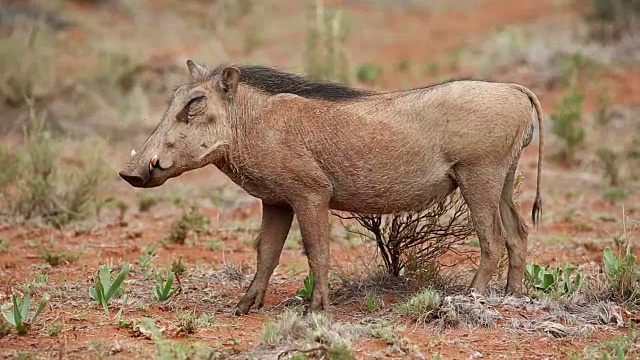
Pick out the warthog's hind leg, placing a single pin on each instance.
(516, 235)
(276, 223)
(313, 217)
(481, 188)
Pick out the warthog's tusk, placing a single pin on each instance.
(153, 163)
(133, 153)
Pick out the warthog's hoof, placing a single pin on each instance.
(244, 305)
(239, 312)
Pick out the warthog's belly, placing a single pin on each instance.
(384, 196)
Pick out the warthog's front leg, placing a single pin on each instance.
(313, 218)
(276, 223)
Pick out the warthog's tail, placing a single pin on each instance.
(536, 211)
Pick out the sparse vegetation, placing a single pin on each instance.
(166, 349)
(315, 333)
(35, 186)
(618, 348)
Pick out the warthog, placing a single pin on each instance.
(304, 147)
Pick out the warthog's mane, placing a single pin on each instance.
(273, 81)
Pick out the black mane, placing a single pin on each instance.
(273, 81)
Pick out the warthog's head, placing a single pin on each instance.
(194, 130)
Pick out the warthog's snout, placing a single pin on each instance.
(135, 177)
(138, 174)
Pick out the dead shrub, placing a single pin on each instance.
(419, 237)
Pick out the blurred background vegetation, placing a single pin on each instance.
(91, 76)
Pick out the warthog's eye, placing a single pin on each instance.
(193, 105)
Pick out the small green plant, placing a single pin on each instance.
(190, 221)
(215, 245)
(3, 246)
(122, 207)
(54, 330)
(622, 273)
(147, 255)
(572, 67)
(614, 195)
(403, 65)
(606, 218)
(566, 124)
(604, 113)
(146, 202)
(17, 313)
(187, 321)
(422, 306)
(57, 259)
(617, 348)
(369, 73)
(294, 270)
(610, 163)
(166, 350)
(276, 330)
(371, 304)
(431, 68)
(307, 291)
(552, 280)
(178, 267)
(163, 289)
(103, 289)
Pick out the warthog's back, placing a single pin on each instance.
(396, 151)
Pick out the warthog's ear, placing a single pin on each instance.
(195, 69)
(229, 78)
